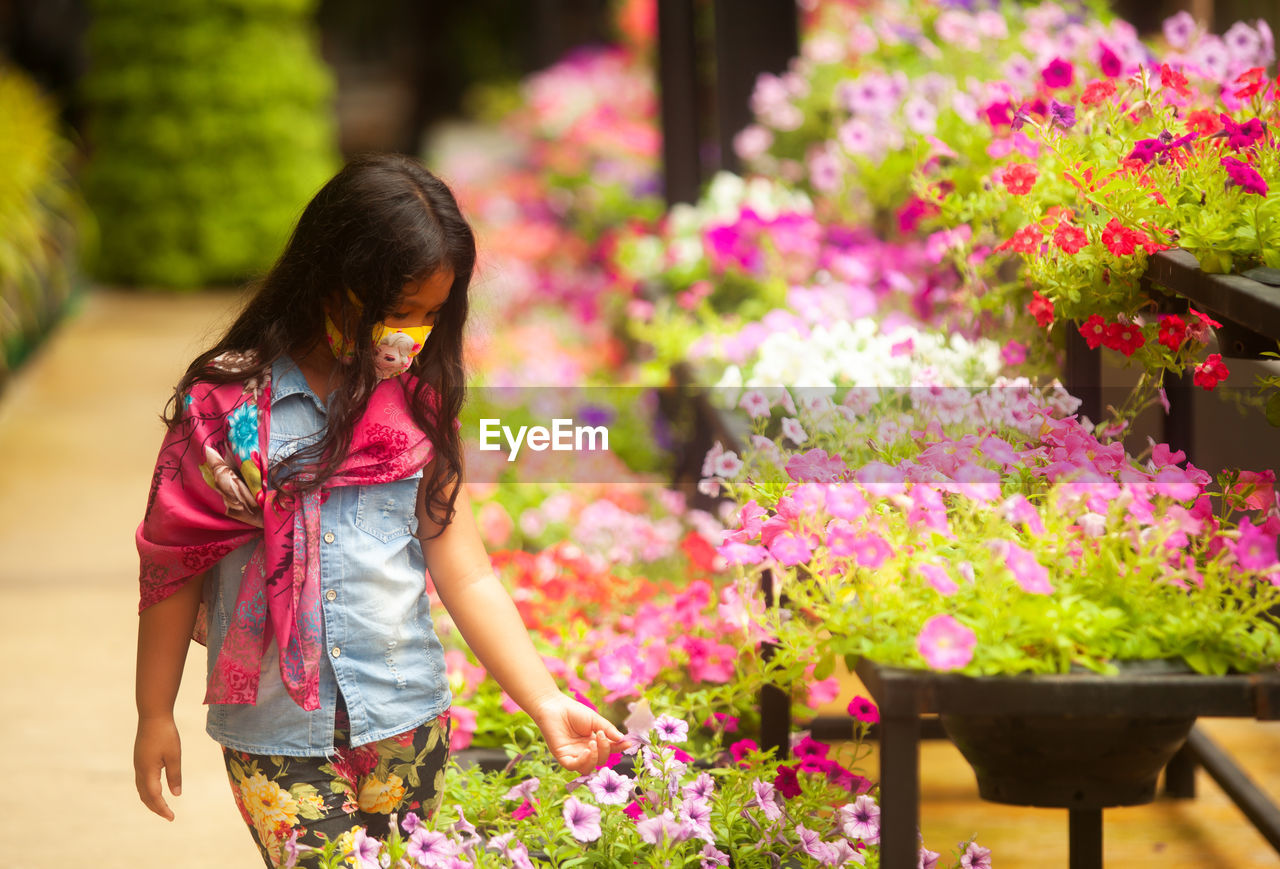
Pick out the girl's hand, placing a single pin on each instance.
(157, 747)
(580, 739)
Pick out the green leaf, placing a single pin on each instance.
(1273, 410)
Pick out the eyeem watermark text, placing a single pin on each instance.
(562, 436)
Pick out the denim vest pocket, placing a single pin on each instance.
(387, 510)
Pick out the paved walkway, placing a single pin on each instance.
(78, 436)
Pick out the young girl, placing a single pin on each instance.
(310, 480)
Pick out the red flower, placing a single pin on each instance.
(1203, 121)
(1211, 372)
(1198, 329)
(1071, 239)
(864, 710)
(1251, 81)
(1174, 79)
(1094, 331)
(1173, 331)
(1040, 308)
(1025, 240)
(1096, 91)
(787, 782)
(1117, 239)
(1125, 337)
(1019, 178)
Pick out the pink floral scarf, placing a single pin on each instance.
(211, 493)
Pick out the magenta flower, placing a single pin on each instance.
(842, 538)
(1244, 176)
(787, 782)
(1108, 61)
(864, 710)
(861, 820)
(1058, 74)
(582, 820)
(881, 479)
(808, 747)
(945, 644)
(741, 553)
(816, 466)
(742, 748)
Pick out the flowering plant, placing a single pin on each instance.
(989, 532)
(648, 808)
(1115, 169)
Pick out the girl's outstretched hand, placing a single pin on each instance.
(580, 738)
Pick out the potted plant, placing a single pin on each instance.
(989, 533)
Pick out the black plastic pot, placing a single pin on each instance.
(1069, 762)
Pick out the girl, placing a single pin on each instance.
(310, 478)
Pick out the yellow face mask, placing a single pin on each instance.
(395, 349)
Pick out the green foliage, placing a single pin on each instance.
(40, 217)
(210, 130)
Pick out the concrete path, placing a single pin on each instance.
(78, 438)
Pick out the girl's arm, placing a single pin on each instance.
(480, 606)
(164, 633)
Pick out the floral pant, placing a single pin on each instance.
(324, 798)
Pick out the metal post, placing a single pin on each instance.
(678, 83)
(747, 44)
(1084, 836)
(899, 783)
(775, 703)
(1083, 375)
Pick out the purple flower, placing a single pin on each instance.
(292, 850)
(1240, 136)
(1179, 29)
(364, 850)
(861, 820)
(928, 859)
(1245, 176)
(523, 791)
(1058, 74)
(582, 820)
(411, 822)
(1243, 42)
(609, 788)
(695, 814)
(765, 800)
(810, 842)
(671, 729)
(1062, 114)
(662, 828)
(712, 857)
(428, 847)
(976, 857)
(701, 789)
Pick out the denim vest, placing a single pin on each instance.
(381, 653)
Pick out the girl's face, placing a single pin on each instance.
(421, 302)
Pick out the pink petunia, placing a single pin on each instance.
(582, 820)
(945, 644)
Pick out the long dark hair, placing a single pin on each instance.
(382, 222)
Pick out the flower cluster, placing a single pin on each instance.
(983, 530)
(651, 805)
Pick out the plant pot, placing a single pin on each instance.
(488, 759)
(1072, 762)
